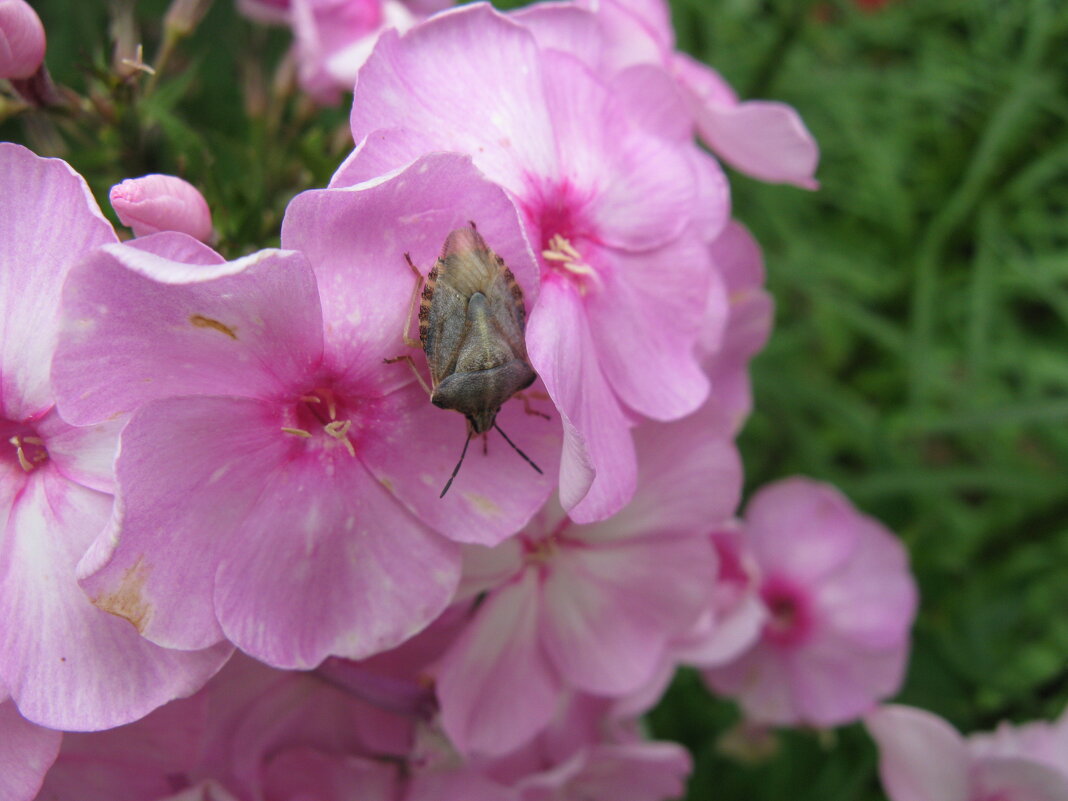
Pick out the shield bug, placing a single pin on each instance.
(471, 324)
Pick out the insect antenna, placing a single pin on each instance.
(456, 469)
(516, 449)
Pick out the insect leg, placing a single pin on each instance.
(411, 363)
(412, 343)
(527, 408)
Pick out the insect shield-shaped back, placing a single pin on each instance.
(471, 324)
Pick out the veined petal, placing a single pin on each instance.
(495, 686)
(48, 221)
(68, 664)
(26, 753)
(598, 469)
(139, 326)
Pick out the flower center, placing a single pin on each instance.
(790, 621)
(540, 548)
(562, 254)
(24, 448)
(321, 415)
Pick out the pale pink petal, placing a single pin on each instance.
(921, 757)
(154, 203)
(48, 221)
(379, 153)
(801, 528)
(760, 681)
(305, 773)
(608, 617)
(490, 106)
(496, 490)
(485, 568)
(26, 753)
(495, 686)
(713, 205)
(356, 239)
(719, 639)
(644, 323)
(139, 326)
(689, 481)
(156, 562)
(328, 544)
(834, 682)
(1019, 780)
(647, 96)
(22, 40)
(68, 664)
(462, 784)
(83, 454)
(598, 468)
(636, 32)
(762, 138)
(563, 27)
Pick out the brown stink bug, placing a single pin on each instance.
(471, 324)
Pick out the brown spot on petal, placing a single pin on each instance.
(200, 321)
(127, 601)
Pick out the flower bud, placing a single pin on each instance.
(155, 203)
(22, 40)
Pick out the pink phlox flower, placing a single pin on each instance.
(274, 466)
(615, 199)
(923, 758)
(840, 603)
(591, 607)
(67, 664)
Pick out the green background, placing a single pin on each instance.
(920, 353)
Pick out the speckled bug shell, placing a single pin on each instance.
(471, 324)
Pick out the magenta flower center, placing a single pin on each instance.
(790, 612)
(22, 448)
(324, 417)
(557, 212)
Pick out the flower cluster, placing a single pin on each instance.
(203, 457)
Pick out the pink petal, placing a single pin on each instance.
(378, 153)
(563, 27)
(496, 491)
(139, 326)
(83, 454)
(326, 563)
(764, 139)
(801, 528)
(1020, 779)
(761, 683)
(491, 106)
(154, 203)
(22, 40)
(649, 97)
(644, 324)
(633, 772)
(689, 480)
(26, 753)
(190, 470)
(598, 468)
(68, 664)
(48, 221)
(495, 686)
(356, 239)
(608, 617)
(461, 784)
(921, 757)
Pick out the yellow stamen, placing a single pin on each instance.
(339, 430)
(297, 432)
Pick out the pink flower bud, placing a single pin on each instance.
(22, 40)
(155, 203)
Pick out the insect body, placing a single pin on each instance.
(471, 324)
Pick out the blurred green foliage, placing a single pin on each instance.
(920, 357)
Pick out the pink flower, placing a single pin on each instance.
(593, 607)
(840, 602)
(67, 664)
(276, 478)
(923, 758)
(26, 753)
(22, 40)
(614, 197)
(154, 203)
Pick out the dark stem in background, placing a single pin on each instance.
(789, 31)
